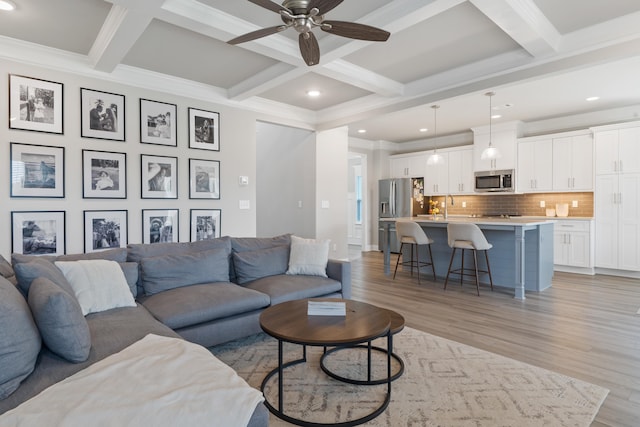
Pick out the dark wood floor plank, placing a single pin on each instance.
(586, 327)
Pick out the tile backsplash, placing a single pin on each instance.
(519, 204)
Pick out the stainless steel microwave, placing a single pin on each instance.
(495, 181)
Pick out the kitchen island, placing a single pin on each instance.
(521, 257)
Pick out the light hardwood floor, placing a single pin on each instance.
(586, 327)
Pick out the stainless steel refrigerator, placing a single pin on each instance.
(395, 200)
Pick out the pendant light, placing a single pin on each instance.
(491, 152)
(435, 158)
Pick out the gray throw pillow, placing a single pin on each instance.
(58, 315)
(27, 272)
(6, 271)
(252, 265)
(130, 270)
(162, 273)
(19, 339)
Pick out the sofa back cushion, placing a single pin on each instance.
(6, 271)
(161, 273)
(27, 272)
(139, 251)
(245, 244)
(59, 318)
(116, 254)
(19, 339)
(252, 265)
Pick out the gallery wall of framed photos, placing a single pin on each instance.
(95, 164)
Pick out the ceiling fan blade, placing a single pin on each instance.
(324, 6)
(257, 34)
(354, 30)
(309, 48)
(268, 4)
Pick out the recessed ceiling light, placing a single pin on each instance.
(7, 5)
(496, 116)
(362, 131)
(424, 130)
(313, 93)
(593, 98)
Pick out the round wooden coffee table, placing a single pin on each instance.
(397, 325)
(289, 322)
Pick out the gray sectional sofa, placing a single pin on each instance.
(207, 292)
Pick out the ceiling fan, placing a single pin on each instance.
(304, 16)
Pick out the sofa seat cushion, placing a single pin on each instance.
(191, 305)
(286, 287)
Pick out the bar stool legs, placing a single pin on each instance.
(415, 261)
(468, 271)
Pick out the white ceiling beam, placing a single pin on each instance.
(267, 79)
(523, 21)
(124, 25)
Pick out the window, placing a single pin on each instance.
(358, 199)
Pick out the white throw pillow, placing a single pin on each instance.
(308, 257)
(98, 285)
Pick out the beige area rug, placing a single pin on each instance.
(445, 383)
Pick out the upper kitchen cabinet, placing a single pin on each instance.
(408, 165)
(617, 150)
(436, 178)
(573, 162)
(534, 172)
(461, 179)
(503, 137)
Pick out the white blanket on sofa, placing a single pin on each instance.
(157, 381)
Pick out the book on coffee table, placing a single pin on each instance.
(326, 308)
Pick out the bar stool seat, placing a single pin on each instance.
(467, 236)
(410, 233)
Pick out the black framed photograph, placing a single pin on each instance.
(205, 224)
(38, 233)
(158, 123)
(102, 115)
(159, 177)
(37, 170)
(35, 104)
(159, 225)
(104, 175)
(105, 230)
(204, 129)
(204, 179)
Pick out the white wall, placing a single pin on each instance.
(285, 181)
(237, 156)
(331, 185)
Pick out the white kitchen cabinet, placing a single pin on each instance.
(504, 141)
(436, 177)
(617, 197)
(573, 163)
(408, 166)
(461, 178)
(534, 172)
(618, 151)
(617, 212)
(572, 243)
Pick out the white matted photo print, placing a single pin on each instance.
(204, 179)
(104, 175)
(38, 233)
(102, 115)
(105, 230)
(205, 224)
(159, 177)
(159, 225)
(37, 170)
(35, 104)
(204, 129)
(158, 123)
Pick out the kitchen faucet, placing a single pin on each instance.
(446, 213)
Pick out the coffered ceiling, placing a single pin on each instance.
(541, 57)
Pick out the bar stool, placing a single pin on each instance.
(468, 236)
(410, 232)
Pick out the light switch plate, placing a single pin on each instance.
(243, 180)
(244, 204)
(325, 204)
(574, 204)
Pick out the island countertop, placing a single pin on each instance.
(522, 253)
